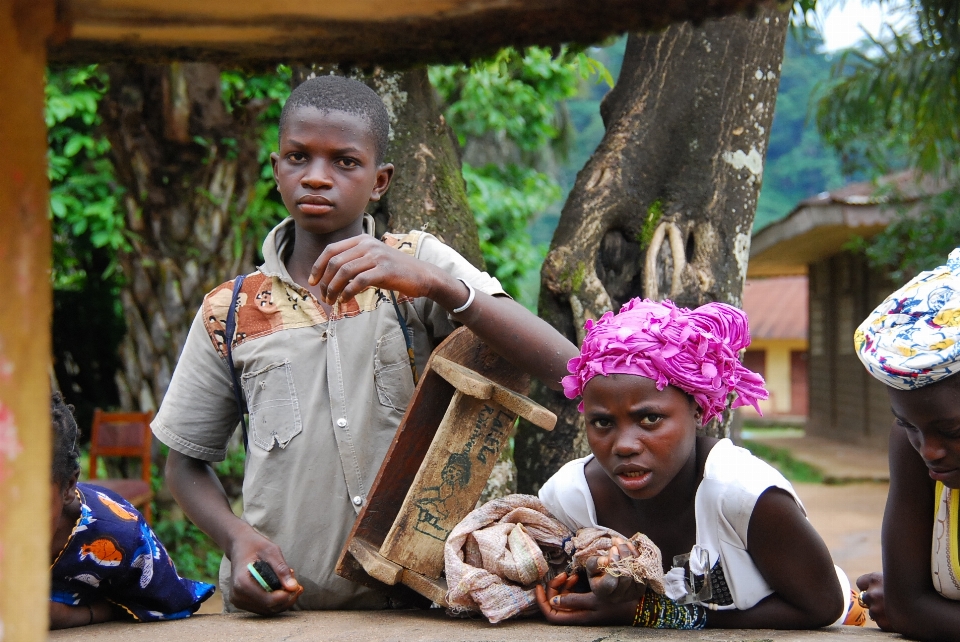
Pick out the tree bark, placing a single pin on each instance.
(665, 206)
(427, 192)
(189, 168)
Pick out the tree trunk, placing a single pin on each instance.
(189, 168)
(664, 208)
(427, 191)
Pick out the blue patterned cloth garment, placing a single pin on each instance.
(912, 339)
(113, 555)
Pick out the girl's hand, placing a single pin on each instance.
(561, 606)
(872, 586)
(612, 589)
(245, 592)
(346, 268)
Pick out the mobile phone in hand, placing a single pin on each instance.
(265, 576)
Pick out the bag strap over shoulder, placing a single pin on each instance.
(407, 338)
(408, 245)
(230, 331)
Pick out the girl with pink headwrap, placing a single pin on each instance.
(743, 552)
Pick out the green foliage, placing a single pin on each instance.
(899, 99)
(781, 459)
(503, 200)
(898, 103)
(798, 163)
(266, 94)
(231, 468)
(84, 195)
(654, 214)
(917, 240)
(586, 132)
(578, 276)
(513, 94)
(88, 228)
(510, 102)
(195, 555)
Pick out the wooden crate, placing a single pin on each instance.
(457, 423)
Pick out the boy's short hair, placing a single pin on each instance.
(66, 451)
(337, 93)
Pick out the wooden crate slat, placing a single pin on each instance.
(438, 405)
(448, 484)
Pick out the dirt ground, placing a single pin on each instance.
(848, 517)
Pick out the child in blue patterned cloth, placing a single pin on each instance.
(106, 562)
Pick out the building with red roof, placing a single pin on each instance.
(811, 246)
(777, 308)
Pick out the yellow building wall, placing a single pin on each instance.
(777, 375)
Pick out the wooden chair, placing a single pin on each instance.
(124, 434)
(457, 423)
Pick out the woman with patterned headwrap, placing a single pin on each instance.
(911, 343)
(744, 553)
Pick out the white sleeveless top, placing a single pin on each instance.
(944, 559)
(733, 480)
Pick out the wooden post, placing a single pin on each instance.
(24, 322)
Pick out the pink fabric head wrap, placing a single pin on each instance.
(695, 351)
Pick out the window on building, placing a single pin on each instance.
(756, 360)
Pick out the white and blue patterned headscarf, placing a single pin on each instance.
(912, 339)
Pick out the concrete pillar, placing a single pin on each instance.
(24, 322)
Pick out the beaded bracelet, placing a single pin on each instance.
(657, 611)
(636, 616)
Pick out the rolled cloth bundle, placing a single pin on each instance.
(693, 350)
(501, 551)
(495, 557)
(912, 339)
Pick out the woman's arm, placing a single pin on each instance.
(795, 562)
(65, 616)
(910, 603)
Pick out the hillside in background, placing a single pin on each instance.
(798, 164)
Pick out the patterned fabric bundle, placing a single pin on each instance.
(693, 350)
(501, 551)
(912, 339)
(495, 557)
(647, 568)
(112, 554)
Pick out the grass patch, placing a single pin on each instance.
(781, 459)
(774, 432)
(194, 554)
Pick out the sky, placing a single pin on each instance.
(843, 22)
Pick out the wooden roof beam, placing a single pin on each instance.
(391, 33)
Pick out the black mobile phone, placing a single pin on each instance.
(265, 576)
